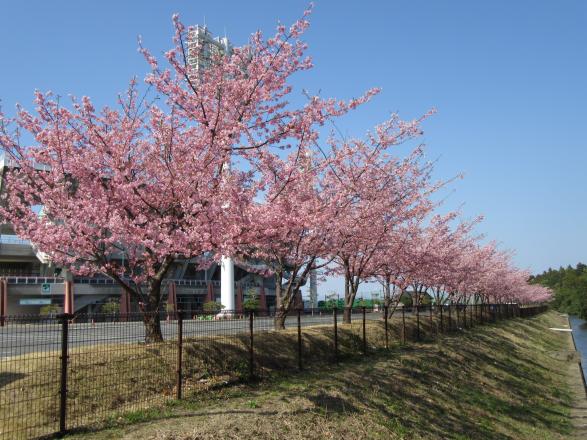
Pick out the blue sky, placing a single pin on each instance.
(508, 79)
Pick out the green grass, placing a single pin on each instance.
(504, 381)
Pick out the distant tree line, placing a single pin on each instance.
(570, 288)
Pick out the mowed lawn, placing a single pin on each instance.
(502, 381)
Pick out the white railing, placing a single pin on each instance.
(33, 280)
(15, 279)
(13, 239)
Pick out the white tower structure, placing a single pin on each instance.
(313, 289)
(202, 48)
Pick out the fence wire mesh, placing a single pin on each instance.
(30, 368)
(62, 373)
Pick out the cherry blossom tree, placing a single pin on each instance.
(382, 193)
(127, 191)
(123, 192)
(293, 226)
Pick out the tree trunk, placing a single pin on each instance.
(152, 327)
(350, 292)
(151, 316)
(346, 316)
(149, 307)
(387, 294)
(284, 299)
(279, 320)
(281, 301)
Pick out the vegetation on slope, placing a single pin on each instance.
(570, 288)
(504, 381)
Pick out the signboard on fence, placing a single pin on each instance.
(35, 302)
(46, 289)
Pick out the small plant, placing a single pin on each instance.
(49, 310)
(253, 404)
(328, 305)
(406, 299)
(111, 306)
(363, 303)
(251, 302)
(212, 306)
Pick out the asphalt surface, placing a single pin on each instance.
(22, 338)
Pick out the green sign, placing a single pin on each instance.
(46, 289)
(35, 302)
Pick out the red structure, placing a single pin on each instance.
(124, 305)
(262, 299)
(210, 295)
(68, 306)
(172, 300)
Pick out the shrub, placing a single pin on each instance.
(49, 309)
(212, 306)
(251, 302)
(111, 306)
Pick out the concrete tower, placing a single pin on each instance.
(202, 48)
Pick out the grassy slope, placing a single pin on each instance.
(505, 381)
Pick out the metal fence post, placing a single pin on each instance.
(364, 332)
(65, 317)
(251, 348)
(385, 311)
(441, 319)
(3, 301)
(335, 311)
(403, 326)
(417, 322)
(299, 340)
(179, 352)
(486, 310)
(471, 316)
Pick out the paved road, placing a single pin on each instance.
(17, 339)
